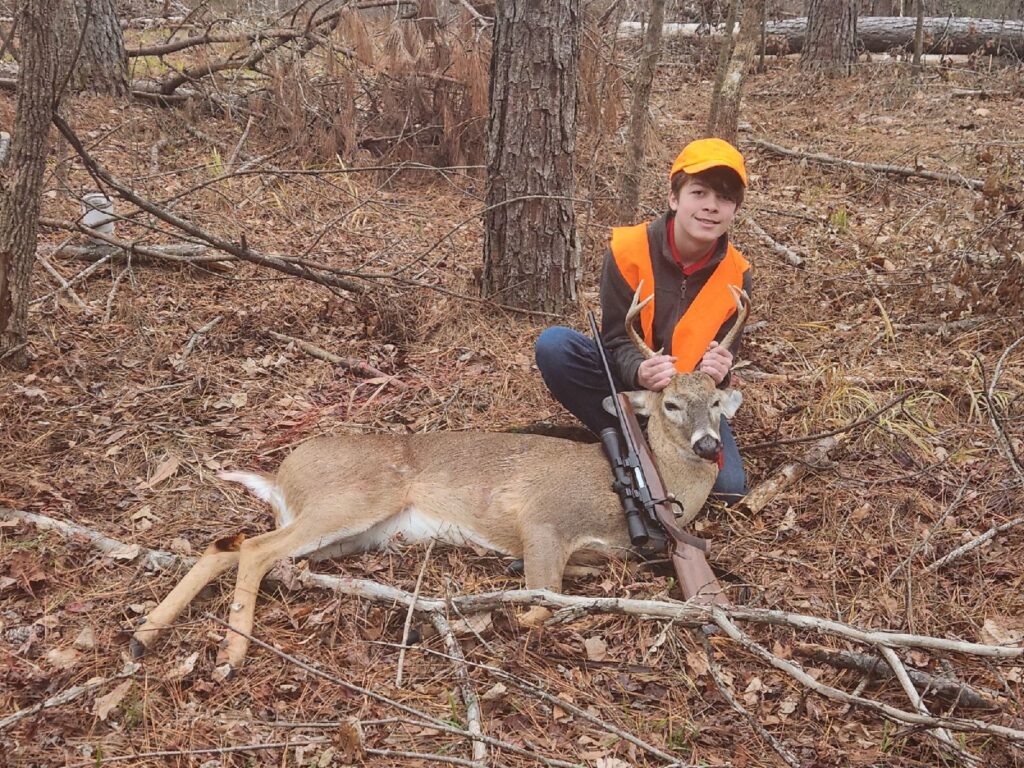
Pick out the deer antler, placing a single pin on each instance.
(742, 310)
(634, 310)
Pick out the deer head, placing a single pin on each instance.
(685, 416)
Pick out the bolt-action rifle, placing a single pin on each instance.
(646, 502)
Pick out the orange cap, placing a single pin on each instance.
(702, 154)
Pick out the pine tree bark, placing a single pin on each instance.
(531, 253)
(831, 44)
(629, 185)
(38, 74)
(102, 65)
(724, 118)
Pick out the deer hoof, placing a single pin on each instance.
(223, 672)
(137, 648)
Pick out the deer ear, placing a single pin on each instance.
(637, 398)
(731, 399)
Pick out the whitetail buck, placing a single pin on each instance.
(539, 498)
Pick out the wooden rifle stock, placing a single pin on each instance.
(695, 576)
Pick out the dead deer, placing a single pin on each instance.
(542, 499)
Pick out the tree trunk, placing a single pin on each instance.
(531, 255)
(724, 119)
(831, 44)
(20, 192)
(102, 65)
(724, 56)
(882, 34)
(629, 186)
(918, 37)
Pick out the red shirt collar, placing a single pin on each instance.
(690, 268)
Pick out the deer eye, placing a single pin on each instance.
(670, 406)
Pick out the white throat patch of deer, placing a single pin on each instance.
(543, 499)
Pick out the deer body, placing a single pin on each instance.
(540, 498)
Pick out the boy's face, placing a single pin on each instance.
(702, 215)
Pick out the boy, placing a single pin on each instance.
(678, 253)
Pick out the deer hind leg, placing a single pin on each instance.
(316, 529)
(218, 557)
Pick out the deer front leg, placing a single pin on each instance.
(218, 557)
(544, 558)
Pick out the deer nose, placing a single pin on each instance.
(707, 447)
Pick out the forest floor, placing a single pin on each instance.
(911, 289)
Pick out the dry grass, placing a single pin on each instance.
(102, 406)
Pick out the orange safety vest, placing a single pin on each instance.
(704, 318)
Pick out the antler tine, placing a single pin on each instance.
(634, 310)
(742, 310)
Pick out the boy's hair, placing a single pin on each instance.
(725, 181)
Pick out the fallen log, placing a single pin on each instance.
(882, 34)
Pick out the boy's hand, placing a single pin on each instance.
(716, 362)
(656, 372)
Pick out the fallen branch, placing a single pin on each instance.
(974, 543)
(894, 170)
(357, 367)
(763, 494)
(790, 256)
(64, 697)
(685, 614)
(64, 284)
(956, 692)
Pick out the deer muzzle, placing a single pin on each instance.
(707, 447)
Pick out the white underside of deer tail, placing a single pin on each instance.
(263, 487)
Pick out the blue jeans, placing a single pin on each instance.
(571, 367)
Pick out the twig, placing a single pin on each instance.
(238, 147)
(67, 696)
(935, 526)
(357, 367)
(469, 697)
(886, 710)
(973, 544)
(1005, 444)
(94, 267)
(272, 745)
(790, 256)
(780, 749)
(180, 364)
(409, 614)
(896, 170)
(151, 558)
(838, 431)
(61, 281)
(113, 291)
